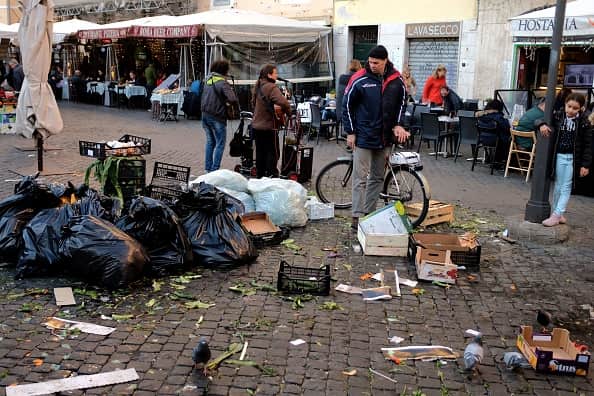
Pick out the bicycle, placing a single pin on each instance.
(403, 182)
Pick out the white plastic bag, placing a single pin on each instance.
(283, 200)
(223, 178)
(245, 198)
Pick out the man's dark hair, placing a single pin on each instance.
(494, 104)
(220, 66)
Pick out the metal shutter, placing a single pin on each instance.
(425, 54)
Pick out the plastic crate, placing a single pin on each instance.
(131, 178)
(162, 193)
(101, 150)
(303, 280)
(170, 174)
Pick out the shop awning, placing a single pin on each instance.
(579, 21)
(229, 25)
(61, 29)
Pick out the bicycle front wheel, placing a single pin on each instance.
(406, 185)
(334, 184)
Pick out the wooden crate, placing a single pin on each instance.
(438, 212)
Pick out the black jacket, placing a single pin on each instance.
(373, 105)
(582, 143)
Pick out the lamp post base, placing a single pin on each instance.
(537, 211)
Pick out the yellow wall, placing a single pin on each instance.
(375, 12)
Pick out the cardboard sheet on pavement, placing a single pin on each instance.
(64, 296)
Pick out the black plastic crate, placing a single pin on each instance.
(131, 178)
(303, 280)
(101, 150)
(132, 169)
(164, 173)
(162, 193)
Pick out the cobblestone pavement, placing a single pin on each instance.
(157, 331)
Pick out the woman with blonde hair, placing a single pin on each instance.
(433, 85)
(411, 84)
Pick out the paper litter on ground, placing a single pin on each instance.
(396, 340)
(73, 383)
(64, 296)
(297, 342)
(376, 293)
(348, 289)
(91, 328)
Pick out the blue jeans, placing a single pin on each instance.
(563, 182)
(216, 135)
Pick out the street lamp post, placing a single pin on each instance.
(538, 207)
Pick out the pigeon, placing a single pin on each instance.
(473, 354)
(201, 354)
(514, 360)
(544, 319)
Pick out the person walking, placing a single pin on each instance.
(572, 130)
(343, 80)
(267, 100)
(433, 85)
(217, 94)
(373, 114)
(151, 79)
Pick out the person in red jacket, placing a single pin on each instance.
(433, 85)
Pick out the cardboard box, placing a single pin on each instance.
(438, 212)
(461, 253)
(261, 229)
(552, 353)
(317, 210)
(435, 265)
(384, 232)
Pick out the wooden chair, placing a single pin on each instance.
(524, 158)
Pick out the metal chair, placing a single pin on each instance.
(317, 123)
(468, 134)
(490, 149)
(524, 157)
(432, 132)
(465, 113)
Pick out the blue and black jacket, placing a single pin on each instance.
(373, 105)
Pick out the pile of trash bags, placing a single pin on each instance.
(63, 229)
(283, 200)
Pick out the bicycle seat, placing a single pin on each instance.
(246, 114)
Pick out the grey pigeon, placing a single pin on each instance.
(473, 354)
(201, 353)
(514, 360)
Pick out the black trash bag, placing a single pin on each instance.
(218, 240)
(41, 242)
(17, 210)
(207, 198)
(97, 250)
(161, 232)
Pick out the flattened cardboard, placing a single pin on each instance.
(64, 296)
(73, 383)
(91, 328)
(558, 355)
(258, 223)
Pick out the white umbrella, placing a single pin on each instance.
(37, 112)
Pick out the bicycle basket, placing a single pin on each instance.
(405, 158)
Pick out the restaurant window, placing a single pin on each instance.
(364, 39)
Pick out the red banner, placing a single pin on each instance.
(163, 31)
(141, 31)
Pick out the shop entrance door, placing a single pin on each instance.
(425, 54)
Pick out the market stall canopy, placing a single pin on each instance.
(235, 25)
(9, 31)
(579, 21)
(229, 25)
(71, 26)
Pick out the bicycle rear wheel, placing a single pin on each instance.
(406, 185)
(334, 183)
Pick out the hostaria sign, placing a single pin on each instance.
(543, 27)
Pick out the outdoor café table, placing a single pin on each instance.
(99, 87)
(164, 105)
(450, 123)
(134, 90)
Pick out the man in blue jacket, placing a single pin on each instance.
(373, 114)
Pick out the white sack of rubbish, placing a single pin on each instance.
(283, 200)
(223, 178)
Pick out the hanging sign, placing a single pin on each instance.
(163, 31)
(543, 27)
(103, 34)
